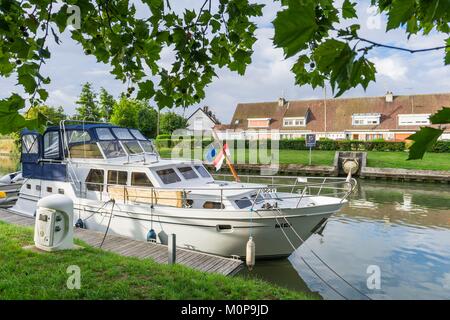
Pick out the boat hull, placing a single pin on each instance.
(212, 232)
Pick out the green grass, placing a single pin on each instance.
(380, 159)
(25, 274)
(431, 161)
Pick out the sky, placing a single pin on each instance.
(269, 76)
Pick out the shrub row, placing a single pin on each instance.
(323, 144)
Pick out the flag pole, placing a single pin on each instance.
(227, 159)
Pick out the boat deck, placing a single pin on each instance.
(141, 249)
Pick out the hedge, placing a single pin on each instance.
(323, 144)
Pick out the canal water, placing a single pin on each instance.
(391, 242)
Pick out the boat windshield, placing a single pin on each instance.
(147, 146)
(132, 147)
(112, 149)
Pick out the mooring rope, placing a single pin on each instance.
(103, 205)
(109, 223)
(316, 255)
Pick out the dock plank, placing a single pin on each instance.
(141, 249)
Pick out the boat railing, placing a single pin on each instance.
(217, 197)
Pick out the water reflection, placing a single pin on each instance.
(403, 228)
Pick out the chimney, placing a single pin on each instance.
(389, 97)
(281, 102)
(205, 109)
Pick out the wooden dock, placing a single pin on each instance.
(142, 249)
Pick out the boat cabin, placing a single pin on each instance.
(103, 161)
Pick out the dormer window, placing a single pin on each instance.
(366, 119)
(294, 122)
(259, 123)
(413, 119)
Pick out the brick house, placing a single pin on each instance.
(388, 117)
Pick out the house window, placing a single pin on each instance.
(294, 122)
(413, 119)
(366, 119)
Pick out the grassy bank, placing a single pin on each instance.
(380, 159)
(29, 275)
(7, 146)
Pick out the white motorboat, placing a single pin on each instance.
(10, 185)
(119, 184)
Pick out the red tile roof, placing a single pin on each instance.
(339, 112)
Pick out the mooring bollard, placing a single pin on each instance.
(172, 248)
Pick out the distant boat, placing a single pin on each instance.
(95, 163)
(10, 185)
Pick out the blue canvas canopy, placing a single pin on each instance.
(42, 155)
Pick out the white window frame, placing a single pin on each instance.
(292, 122)
(416, 119)
(366, 119)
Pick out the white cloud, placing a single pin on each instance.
(391, 67)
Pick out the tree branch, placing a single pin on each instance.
(376, 44)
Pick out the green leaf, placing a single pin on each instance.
(441, 117)
(423, 140)
(146, 90)
(400, 12)
(348, 10)
(295, 26)
(28, 82)
(43, 94)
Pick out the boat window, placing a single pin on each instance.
(213, 205)
(77, 136)
(51, 145)
(88, 150)
(117, 177)
(132, 147)
(94, 180)
(29, 144)
(147, 146)
(137, 134)
(203, 172)
(140, 179)
(259, 199)
(112, 149)
(243, 203)
(188, 173)
(122, 133)
(168, 176)
(104, 134)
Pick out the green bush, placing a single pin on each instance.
(441, 147)
(322, 144)
(164, 136)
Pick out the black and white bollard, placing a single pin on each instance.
(172, 248)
